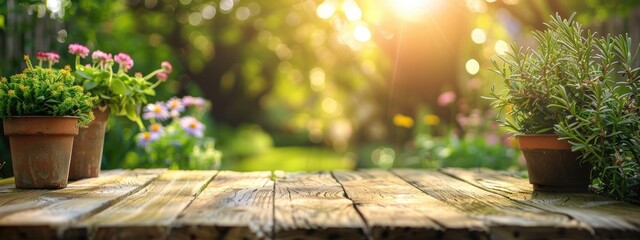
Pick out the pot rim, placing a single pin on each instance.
(542, 141)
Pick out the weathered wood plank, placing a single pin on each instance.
(233, 206)
(314, 206)
(149, 212)
(609, 218)
(506, 218)
(44, 214)
(394, 209)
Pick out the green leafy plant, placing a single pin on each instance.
(123, 93)
(605, 126)
(39, 91)
(584, 88)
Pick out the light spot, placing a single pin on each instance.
(472, 66)
(478, 36)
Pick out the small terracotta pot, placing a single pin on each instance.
(41, 149)
(87, 147)
(551, 164)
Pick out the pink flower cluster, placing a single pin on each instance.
(125, 61)
(50, 57)
(78, 49)
(101, 57)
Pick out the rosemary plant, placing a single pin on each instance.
(584, 88)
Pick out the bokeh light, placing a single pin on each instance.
(472, 66)
(362, 33)
(326, 9)
(478, 36)
(501, 47)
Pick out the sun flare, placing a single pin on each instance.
(414, 9)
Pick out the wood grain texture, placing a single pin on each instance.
(507, 219)
(47, 213)
(233, 206)
(314, 206)
(148, 213)
(394, 209)
(609, 218)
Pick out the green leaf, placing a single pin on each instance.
(82, 74)
(118, 87)
(88, 85)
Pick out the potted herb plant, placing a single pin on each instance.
(41, 109)
(118, 93)
(533, 78)
(586, 90)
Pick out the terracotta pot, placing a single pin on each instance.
(87, 147)
(41, 149)
(552, 166)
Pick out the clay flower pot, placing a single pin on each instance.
(41, 149)
(551, 164)
(87, 147)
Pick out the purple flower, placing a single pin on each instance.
(146, 137)
(78, 49)
(192, 126)
(125, 61)
(155, 110)
(156, 128)
(175, 106)
(167, 67)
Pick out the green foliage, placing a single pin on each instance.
(605, 126)
(531, 77)
(121, 92)
(481, 145)
(41, 91)
(585, 89)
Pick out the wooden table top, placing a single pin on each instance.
(364, 204)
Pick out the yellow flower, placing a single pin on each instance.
(11, 92)
(402, 121)
(431, 119)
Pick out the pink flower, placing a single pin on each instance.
(446, 98)
(100, 56)
(192, 101)
(125, 61)
(41, 56)
(52, 57)
(162, 76)
(78, 49)
(192, 126)
(167, 66)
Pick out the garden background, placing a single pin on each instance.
(308, 84)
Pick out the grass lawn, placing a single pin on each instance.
(297, 159)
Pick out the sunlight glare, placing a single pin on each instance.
(326, 9)
(501, 47)
(351, 10)
(362, 33)
(472, 66)
(478, 36)
(414, 9)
